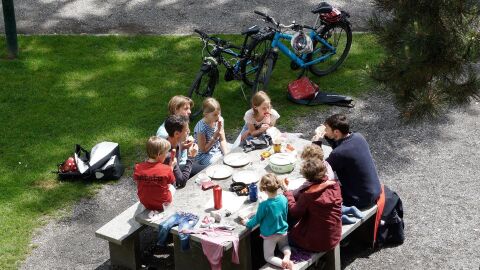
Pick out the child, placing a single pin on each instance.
(260, 117)
(314, 151)
(209, 133)
(317, 210)
(272, 217)
(154, 179)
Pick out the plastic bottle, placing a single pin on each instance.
(217, 197)
(253, 192)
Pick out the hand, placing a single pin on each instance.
(319, 133)
(267, 119)
(330, 182)
(284, 184)
(264, 127)
(243, 221)
(188, 142)
(193, 150)
(219, 125)
(173, 162)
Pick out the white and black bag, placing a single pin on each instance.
(102, 162)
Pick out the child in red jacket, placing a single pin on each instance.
(155, 180)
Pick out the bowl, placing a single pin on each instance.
(282, 163)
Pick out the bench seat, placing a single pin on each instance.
(334, 254)
(122, 235)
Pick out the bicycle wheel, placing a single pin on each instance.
(339, 35)
(249, 65)
(264, 73)
(202, 87)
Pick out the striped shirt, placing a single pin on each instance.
(212, 154)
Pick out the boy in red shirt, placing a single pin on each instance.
(155, 180)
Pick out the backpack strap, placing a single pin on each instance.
(378, 217)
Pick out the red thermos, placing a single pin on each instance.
(217, 197)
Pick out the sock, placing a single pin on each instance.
(348, 220)
(352, 210)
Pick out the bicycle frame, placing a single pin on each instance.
(301, 61)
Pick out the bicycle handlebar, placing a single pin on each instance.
(219, 42)
(292, 26)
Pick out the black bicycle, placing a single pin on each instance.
(242, 65)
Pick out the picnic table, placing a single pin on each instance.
(194, 200)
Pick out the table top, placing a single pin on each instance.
(194, 200)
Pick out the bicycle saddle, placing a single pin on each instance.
(251, 30)
(323, 7)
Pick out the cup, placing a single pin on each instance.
(277, 145)
(202, 178)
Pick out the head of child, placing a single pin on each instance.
(211, 110)
(312, 151)
(157, 149)
(261, 104)
(270, 184)
(314, 170)
(180, 105)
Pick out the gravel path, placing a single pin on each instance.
(433, 166)
(163, 16)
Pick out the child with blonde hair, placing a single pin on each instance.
(272, 217)
(154, 179)
(312, 152)
(260, 117)
(209, 133)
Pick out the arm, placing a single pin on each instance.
(202, 142)
(257, 218)
(296, 208)
(182, 176)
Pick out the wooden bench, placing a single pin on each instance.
(333, 256)
(122, 235)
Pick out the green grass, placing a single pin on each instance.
(82, 89)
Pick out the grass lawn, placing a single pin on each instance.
(83, 89)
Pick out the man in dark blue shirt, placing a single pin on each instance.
(352, 162)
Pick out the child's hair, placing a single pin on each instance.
(312, 151)
(210, 105)
(270, 183)
(314, 170)
(257, 100)
(157, 146)
(177, 102)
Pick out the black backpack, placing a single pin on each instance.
(102, 162)
(391, 227)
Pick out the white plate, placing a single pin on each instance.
(246, 176)
(236, 159)
(219, 171)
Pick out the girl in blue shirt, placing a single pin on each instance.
(272, 217)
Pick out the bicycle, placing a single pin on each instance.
(329, 51)
(243, 65)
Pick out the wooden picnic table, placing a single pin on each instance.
(194, 200)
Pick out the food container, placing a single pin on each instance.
(282, 162)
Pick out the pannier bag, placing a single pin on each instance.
(302, 88)
(391, 228)
(305, 92)
(102, 162)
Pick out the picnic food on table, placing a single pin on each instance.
(266, 154)
(290, 147)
